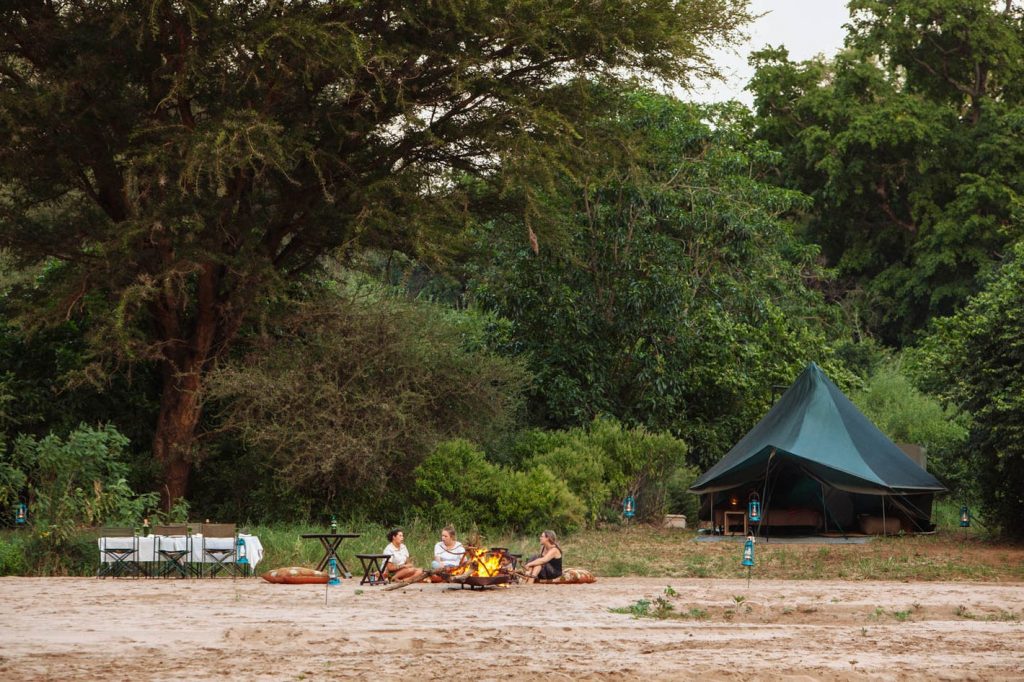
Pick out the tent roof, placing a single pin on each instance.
(817, 426)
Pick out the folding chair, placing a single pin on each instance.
(220, 541)
(173, 551)
(119, 549)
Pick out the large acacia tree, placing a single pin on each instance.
(176, 161)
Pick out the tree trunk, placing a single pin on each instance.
(175, 432)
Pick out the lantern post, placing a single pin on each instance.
(748, 556)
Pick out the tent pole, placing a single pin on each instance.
(764, 496)
(824, 511)
(884, 528)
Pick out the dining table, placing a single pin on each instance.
(145, 547)
(330, 543)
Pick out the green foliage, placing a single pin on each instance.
(973, 359)
(680, 499)
(177, 165)
(456, 484)
(909, 143)
(537, 499)
(677, 298)
(603, 462)
(72, 483)
(349, 392)
(13, 554)
(906, 415)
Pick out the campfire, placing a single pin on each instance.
(483, 567)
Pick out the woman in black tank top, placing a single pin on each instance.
(548, 564)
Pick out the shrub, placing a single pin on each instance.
(637, 461)
(680, 500)
(348, 393)
(581, 465)
(537, 499)
(71, 483)
(456, 484)
(12, 555)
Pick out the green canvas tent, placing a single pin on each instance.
(814, 460)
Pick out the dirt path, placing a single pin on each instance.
(79, 628)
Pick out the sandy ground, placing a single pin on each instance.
(79, 628)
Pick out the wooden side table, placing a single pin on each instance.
(725, 521)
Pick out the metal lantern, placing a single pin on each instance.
(332, 572)
(748, 551)
(754, 508)
(334, 525)
(629, 507)
(241, 552)
(965, 517)
(21, 513)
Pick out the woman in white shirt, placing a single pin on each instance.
(400, 566)
(449, 552)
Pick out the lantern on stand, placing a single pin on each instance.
(965, 517)
(242, 556)
(754, 508)
(332, 572)
(629, 507)
(21, 513)
(748, 556)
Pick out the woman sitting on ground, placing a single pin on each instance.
(548, 564)
(400, 566)
(449, 552)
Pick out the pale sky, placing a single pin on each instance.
(805, 27)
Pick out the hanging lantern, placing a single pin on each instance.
(965, 517)
(332, 572)
(21, 513)
(754, 508)
(241, 553)
(748, 551)
(629, 507)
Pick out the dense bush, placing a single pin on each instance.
(975, 361)
(561, 480)
(680, 499)
(536, 500)
(73, 483)
(348, 393)
(456, 484)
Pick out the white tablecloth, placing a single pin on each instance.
(147, 547)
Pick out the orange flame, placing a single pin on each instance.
(482, 562)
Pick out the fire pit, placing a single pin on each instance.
(482, 567)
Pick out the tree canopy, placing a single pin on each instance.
(176, 161)
(909, 143)
(680, 295)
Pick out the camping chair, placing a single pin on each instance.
(172, 547)
(119, 549)
(220, 543)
